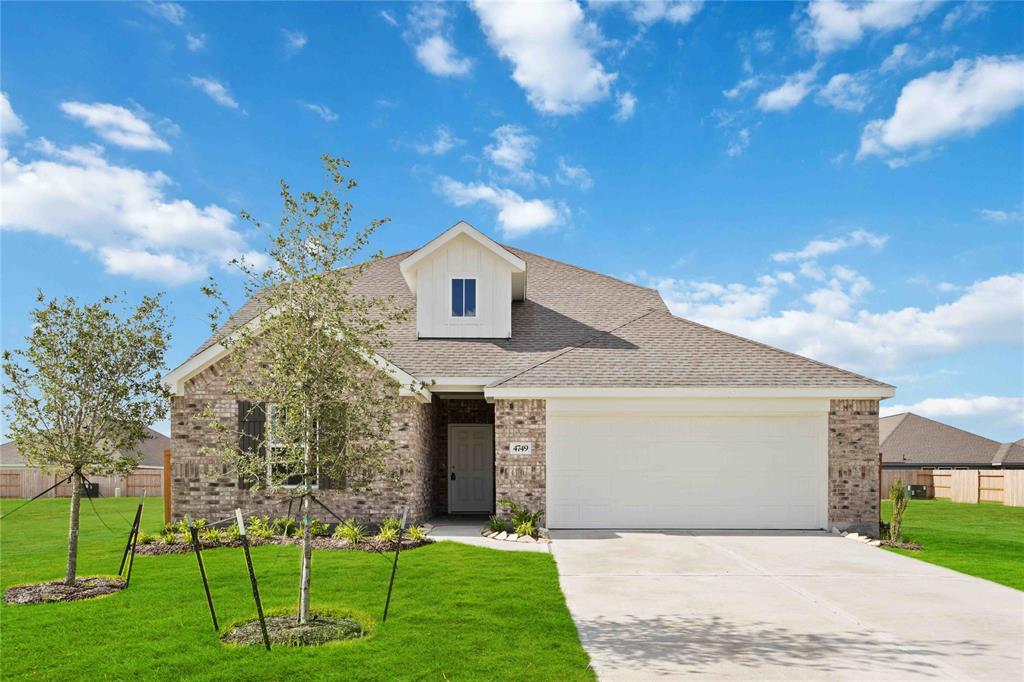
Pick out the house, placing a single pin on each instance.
(910, 441)
(17, 479)
(564, 389)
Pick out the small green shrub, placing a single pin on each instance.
(387, 534)
(169, 537)
(147, 538)
(351, 530)
(257, 527)
(498, 524)
(391, 522)
(526, 528)
(898, 495)
(318, 529)
(284, 525)
(521, 515)
(212, 535)
(415, 533)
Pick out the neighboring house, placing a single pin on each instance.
(22, 480)
(568, 390)
(909, 441)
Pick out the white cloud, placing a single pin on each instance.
(573, 175)
(1010, 408)
(321, 110)
(444, 141)
(388, 17)
(846, 91)
(116, 125)
(195, 42)
(216, 90)
(674, 11)
(168, 11)
(513, 151)
(897, 58)
(739, 144)
(626, 107)
(294, 41)
(792, 91)
(833, 330)
(121, 214)
(429, 32)
(832, 24)
(824, 247)
(550, 45)
(10, 124)
(999, 216)
(743, 87)
(517, 216)
(906, 56)
(964, 13)
(969, 96)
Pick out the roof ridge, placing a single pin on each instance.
(571, 348)
(780, 350)
(583, 269)
(955, 428)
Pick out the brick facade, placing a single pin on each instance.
(206, 486)
(521, 478)
(453, 411)
(853, 466)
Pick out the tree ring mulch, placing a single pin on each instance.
(284, 630)
(327, 543)
(911, 546)
(57, 591)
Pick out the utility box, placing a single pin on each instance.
(91, 489)
(918, 492)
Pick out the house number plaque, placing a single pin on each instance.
(520, 448)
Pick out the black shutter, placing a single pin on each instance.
(252, 422)
(327, 475)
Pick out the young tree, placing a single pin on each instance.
(81, 394)
(310, 358)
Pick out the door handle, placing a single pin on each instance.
(453, 475)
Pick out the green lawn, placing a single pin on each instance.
(458, 612)
(984, 540)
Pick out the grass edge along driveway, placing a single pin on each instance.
(458, 612)
(984, 540)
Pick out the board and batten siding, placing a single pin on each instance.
(463, 257)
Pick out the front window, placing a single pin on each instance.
(276, 469)
(463, 297)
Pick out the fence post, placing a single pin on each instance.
(167, 485)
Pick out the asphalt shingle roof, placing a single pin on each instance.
(911, 439)
(581, 328)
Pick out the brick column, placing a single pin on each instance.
(520, 478)
(853, 495)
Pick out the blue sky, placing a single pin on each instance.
(842, 181)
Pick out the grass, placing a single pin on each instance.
(983, 540)
(458, 612)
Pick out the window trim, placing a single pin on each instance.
(476, 286)
(269, 430)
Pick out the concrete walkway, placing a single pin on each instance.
(773, 606)
(466, 529)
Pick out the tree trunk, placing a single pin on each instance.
(307, 542)
(76, 500)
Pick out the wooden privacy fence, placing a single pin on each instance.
(968, 486)
(28, 481)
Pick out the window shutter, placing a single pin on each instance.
(252, 418)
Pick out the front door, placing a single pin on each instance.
(470, 468)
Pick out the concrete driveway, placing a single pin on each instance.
(788, 606)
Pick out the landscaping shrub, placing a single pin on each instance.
(352, 531)
(898, 496)
(391, 522)
(318, 529)
(415, 533)
(258, 528)
(526, 528)
(147, 538)
(522, 516)
(284, 525)
(498, 524)
(387, 534)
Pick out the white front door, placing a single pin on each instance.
(470, 468)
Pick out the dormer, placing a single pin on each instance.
(464, 283)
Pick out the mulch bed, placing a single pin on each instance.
(328, 543)
(56, 591)
(286, 631)
(911, 546)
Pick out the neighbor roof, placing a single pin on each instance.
(152, 450)
(581, 328)
(912, 439)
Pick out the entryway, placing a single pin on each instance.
(470, 468)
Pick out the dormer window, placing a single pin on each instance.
(463, 297)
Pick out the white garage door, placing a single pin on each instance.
(681, 470)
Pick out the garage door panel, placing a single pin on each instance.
(677, 471)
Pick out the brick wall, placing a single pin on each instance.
(453, 411)
(206, 486)
(520, 478)
(853, 465)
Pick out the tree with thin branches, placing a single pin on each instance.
(81, 394)
(311, 358)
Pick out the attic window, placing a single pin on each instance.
(463, 297)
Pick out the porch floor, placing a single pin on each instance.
(466, 529)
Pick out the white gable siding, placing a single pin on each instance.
(463, 257)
